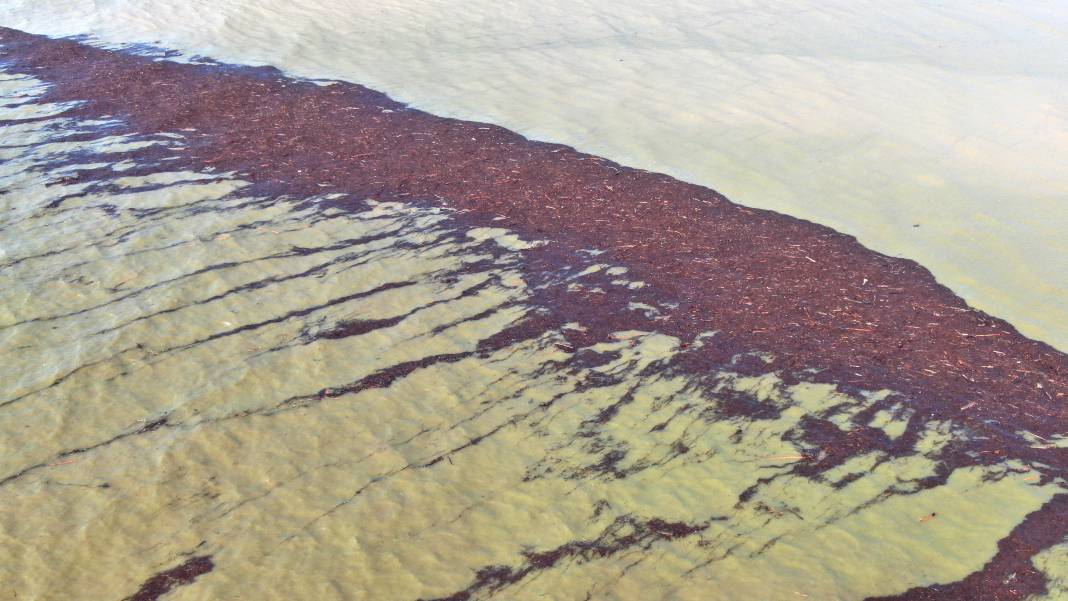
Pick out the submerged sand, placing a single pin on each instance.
(330, 347)
(931, 131)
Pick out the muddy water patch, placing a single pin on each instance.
(335, 397)
(931, 132)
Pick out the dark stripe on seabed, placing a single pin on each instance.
(163, 582)
(816, 299)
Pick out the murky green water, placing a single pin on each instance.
(935, 131)
(300, 392)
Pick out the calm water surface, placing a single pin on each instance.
(311, 396)
(936, 131)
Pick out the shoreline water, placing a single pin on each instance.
(825, 308)
(929, 132)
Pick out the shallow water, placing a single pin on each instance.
(931, 131)
(312, 396)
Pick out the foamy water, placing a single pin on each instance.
(936, 132)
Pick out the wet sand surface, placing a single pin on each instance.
(269, 337)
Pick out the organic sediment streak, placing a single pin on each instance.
(429, 358)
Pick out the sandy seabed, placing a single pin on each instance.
(303, 341)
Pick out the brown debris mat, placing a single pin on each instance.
(814, 298)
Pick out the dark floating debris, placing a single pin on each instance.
(625, 533)
(180, 575)
(784, 295)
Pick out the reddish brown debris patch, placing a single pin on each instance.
(1010, 575)
(814, 298)
(162, 583)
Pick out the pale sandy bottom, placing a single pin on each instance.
(180, 296)
(871, 117)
